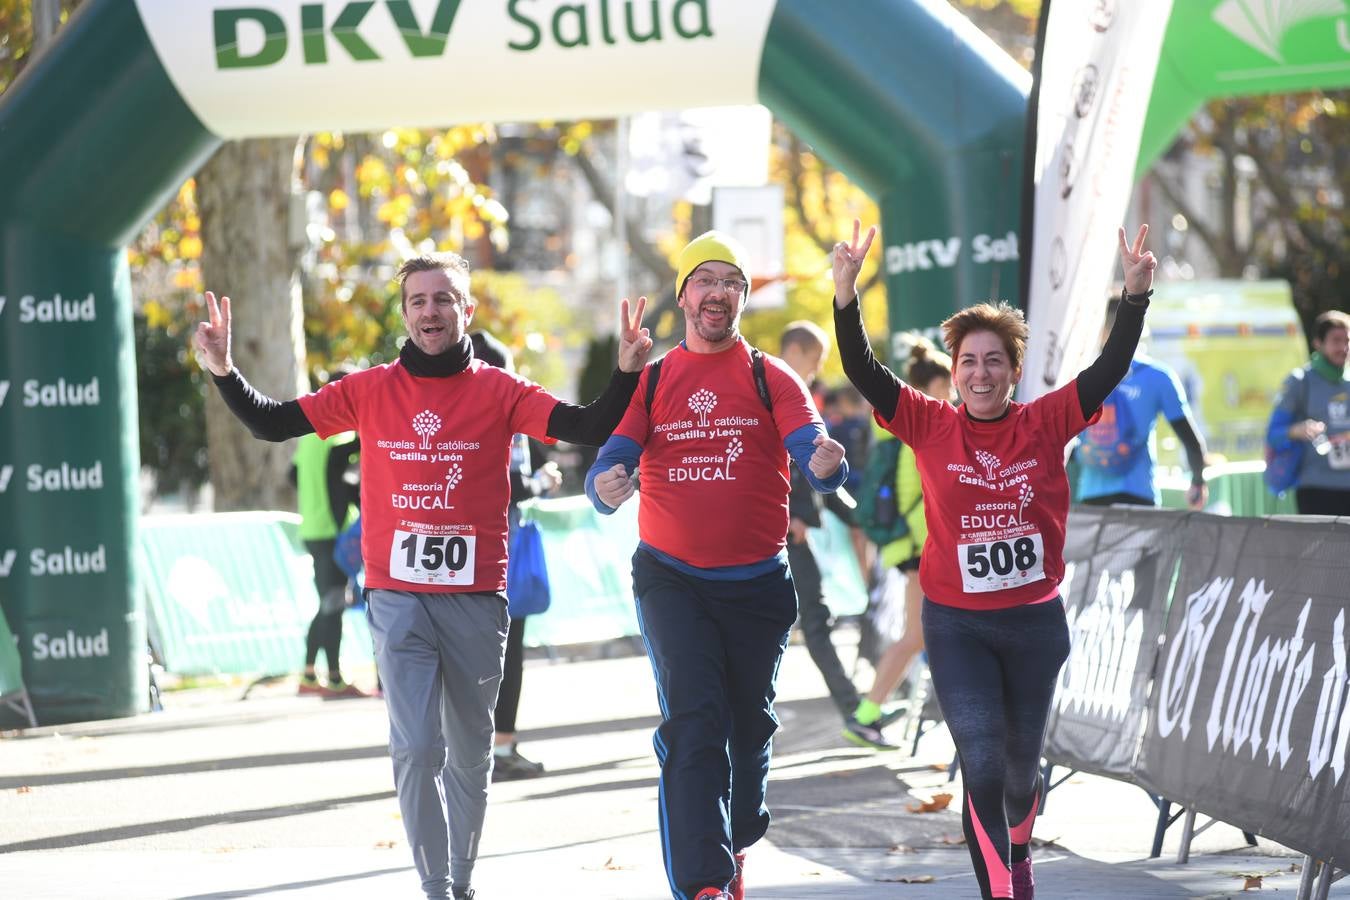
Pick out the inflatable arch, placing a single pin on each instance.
(911, 100)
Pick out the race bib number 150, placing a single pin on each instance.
(998, 565)
(432, 558)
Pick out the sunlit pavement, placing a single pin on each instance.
(287, 797)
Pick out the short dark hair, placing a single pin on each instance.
(1001, 319)
(1328, 322)
(452, 263)
(927, 362)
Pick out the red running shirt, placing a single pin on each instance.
(434, 462)
(996, 496)
(714, 469)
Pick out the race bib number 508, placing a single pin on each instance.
(1001, 564)
(433, 558)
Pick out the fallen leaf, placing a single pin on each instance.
(23, 790)
(909, 879)
(953, 839)
(901, 848)
(385, 845)
(938, 767)
(609, 865)
(938, 803)
(1253, 881)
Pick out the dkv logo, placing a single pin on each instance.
(253, 37)
(945, 254)
(250, 37)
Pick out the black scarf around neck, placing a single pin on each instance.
(442, 365)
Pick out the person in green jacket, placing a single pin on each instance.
(327, 503)
(930, 370)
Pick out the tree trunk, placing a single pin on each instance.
(243, 195)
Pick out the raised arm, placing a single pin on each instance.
(268, 419)
(1100, 378)
(593, 423)
(873, 380)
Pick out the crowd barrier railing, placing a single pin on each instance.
(1209, 666)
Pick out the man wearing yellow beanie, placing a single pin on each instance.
(715, 599)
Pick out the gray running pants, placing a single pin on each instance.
(440, 660)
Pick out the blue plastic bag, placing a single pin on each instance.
(347, 555)
(1282, 467)
(527, 590)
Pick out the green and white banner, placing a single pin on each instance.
(282, 67)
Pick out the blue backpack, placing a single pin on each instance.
(1114, 443)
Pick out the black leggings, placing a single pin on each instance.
(994, 672)
(325, 631)
(513, 672)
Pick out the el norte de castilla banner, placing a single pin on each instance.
(1211, 665)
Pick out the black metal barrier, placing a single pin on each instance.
(1211, 666)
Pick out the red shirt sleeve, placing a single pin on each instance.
(332, 409)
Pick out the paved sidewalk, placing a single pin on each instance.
(286, 797)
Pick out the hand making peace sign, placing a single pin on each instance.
(213, 337)
(847, 261)
(1137, 262)
(635, 342)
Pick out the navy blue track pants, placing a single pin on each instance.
(715, 647)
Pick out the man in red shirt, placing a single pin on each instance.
(435, 429)
(710, 429)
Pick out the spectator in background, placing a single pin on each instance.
(804, 346)
(327, 504)
(847, 412)
(508, 763)
(1314, 407)
(849, 419)
(1116, 454)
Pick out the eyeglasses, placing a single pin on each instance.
(708, 282)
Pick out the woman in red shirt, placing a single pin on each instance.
(997, 497)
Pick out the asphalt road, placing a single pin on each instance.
(288, 797)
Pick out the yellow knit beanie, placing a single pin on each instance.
(712, 246)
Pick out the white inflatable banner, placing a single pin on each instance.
(281, 67)
(1097, 70)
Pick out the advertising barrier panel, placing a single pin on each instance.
(1118, 565)
(233, 593)
(1248, 718)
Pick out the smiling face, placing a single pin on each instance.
(712, 314)
(984, 374)
(436, 309)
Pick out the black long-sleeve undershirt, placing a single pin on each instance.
(882, 389)
(265, 418)
(593, 423)
(280, 420)
(1195, 449)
